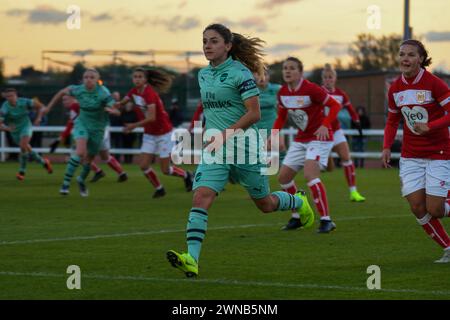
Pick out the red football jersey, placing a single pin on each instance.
(425, 98)
(341, 97)
(74, 111)
(198, 115)
(162, 124)
(305, 105)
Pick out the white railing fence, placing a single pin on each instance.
(289, 132)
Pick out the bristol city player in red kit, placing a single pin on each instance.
(305, 102)
(198, 116)
(74, 110)
(157, 127)
(340, 145)
(423, 100)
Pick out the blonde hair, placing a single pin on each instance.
(328, 68)
(247, 50)
(92, 70)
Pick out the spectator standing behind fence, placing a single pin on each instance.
(175, 113)
(359, 142)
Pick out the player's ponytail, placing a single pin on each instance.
(421, 49)
(247, 50)
(158, 79)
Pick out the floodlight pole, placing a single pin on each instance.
(407, 30)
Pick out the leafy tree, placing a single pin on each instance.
(30, 72)
(316, 75)
(371, 53)
(77, 74)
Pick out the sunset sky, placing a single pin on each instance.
(317, 31)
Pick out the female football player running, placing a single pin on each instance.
(340, 145)
(14, 117)
(305, 102)
(230, 101)
(96, 104)
(424, 102)
(157, 139)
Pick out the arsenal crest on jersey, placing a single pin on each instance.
(420, 96)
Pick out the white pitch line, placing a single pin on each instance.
(121, 235)
(146, 233)
(230, 282)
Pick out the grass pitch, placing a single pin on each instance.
(118, 236)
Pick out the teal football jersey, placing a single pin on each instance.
(268, 102)
(92, 104)
(17, 115)
(224, 89)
